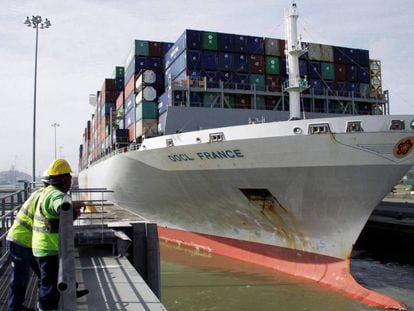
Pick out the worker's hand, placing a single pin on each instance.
(77, 205)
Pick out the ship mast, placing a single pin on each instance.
(295, 84)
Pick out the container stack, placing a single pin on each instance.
(144, 56)
(239, 61)
(105, 114)
(221, 70)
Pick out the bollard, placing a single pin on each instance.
(66, 277)
(153, 260)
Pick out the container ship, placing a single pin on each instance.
(270, 151)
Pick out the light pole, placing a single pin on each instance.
(36, 22)
(55, 125)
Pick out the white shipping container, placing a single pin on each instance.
(147, 128)
(327, 53)
(314, 51)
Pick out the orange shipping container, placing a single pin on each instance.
(131, 133)
(120, 100)
(130, 86)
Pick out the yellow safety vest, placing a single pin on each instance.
(21, 230)
(46, 223)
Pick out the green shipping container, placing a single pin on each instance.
(141, 47)
(228, 101)
(209, 40)
(211, 98)
(364, 89)
(146, 110)
(260, 102)
(328, 71)
(258, 80)
(118, 72)
(272, 65)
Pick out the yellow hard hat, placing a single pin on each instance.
(59, 167)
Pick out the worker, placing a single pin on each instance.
(45, 242)
(19, 244)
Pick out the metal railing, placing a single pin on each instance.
(9, 204)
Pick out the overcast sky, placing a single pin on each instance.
(88, 38)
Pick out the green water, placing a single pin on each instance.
(191, 281)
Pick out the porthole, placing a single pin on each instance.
(297, 130)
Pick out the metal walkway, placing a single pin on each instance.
(113, 284)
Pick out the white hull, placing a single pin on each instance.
(324, 186)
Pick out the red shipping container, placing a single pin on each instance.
(242, 101)
(340, 72)
(282, 45)
(273, 83)
(256, 63)
(108, 97)
(108, 85)
(130, 86)
(120, 100)
(273, 101)
(155, 49)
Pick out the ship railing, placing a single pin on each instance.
(124, 149)
(10, 204)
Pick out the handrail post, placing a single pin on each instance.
(66, 277)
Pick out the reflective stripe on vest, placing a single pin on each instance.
(21, 231)
(45, 226)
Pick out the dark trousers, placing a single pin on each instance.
(48, 291)
(21, 261)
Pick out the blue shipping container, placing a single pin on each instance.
(240, 44)
(196, 98)
(130, 117)
(225, 42)
(167, 46)
(255, 45)
(164, 102)
(225, 61)
(351, 55)
(303, 67)
(226, 76)
(241, 63)
(352, 73)
(353, 87)
(212, 76)
(130, 102)
(176, 68)
(193, 59)
(209, 60)
(190, 39)
(241, 78)
(137, 64)
(339, 55)
(363, 74)
(315, 70)
(155, 64)
(363, 58)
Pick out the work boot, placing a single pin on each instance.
(81, 293)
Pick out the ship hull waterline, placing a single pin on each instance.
(307, 228)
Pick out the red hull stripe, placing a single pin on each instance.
(328, 271)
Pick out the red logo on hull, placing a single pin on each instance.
(403, 147)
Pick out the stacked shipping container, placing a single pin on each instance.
(145, 59)
(129, 104)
